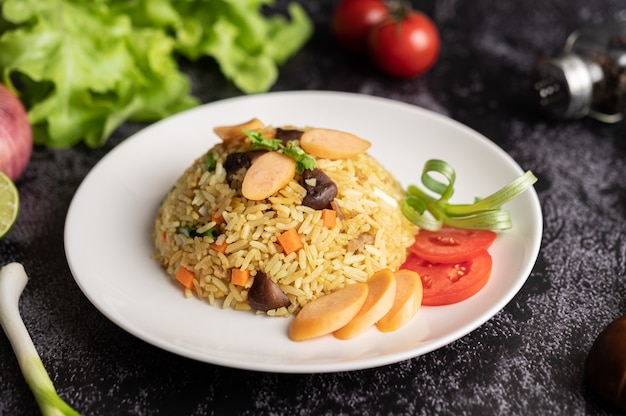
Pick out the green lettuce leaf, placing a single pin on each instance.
(247, 44)
(82, 68)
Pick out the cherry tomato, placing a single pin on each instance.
(352, 21)
(451, 245)
(407, 47)
(447, 283)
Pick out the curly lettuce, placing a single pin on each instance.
(84, 68)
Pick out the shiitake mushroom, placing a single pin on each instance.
(321, 192)
(265, 295)
(288, 135)
(605, 367)
(235, 166)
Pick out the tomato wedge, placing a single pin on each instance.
(451, 245)
(447, 283)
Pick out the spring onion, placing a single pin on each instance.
(431, 213)
(13, 279)
(210, 162)
(192, 232)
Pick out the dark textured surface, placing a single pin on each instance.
(528, 359)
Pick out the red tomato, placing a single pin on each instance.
(451, 245)
(447, 283)
(352, 21)
(407, 47)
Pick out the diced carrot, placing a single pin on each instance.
(328, 313)
(163, 236)
(185, 277)
(217, 218)
(290, 241)
(329, 217)
(239, 277)
(220, 248)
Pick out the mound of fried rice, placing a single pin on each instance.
(370, 233)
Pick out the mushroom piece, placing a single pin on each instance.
(288, 135)
(360, 241)
(265, 295)
(236, 165)
(320, 189)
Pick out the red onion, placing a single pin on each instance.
(16, 135)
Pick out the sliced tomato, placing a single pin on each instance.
(451, 245)
(447, 283)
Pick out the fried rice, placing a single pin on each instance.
(206, 226)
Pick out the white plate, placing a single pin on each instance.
(109, 224)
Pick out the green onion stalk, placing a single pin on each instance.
(13, 279)
(432, 212)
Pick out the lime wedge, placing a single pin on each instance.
(9, 204)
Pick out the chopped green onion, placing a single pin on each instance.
(192, 232)
(303, 161)
(432, 213)
(210, 161)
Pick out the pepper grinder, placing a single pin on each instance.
(587, 78)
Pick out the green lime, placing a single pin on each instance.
(9, 204)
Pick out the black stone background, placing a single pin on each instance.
(528, 359)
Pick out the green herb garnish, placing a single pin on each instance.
(210, 161)
(192, 232)
(303, 161)
(483, 214)
(260, 142)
